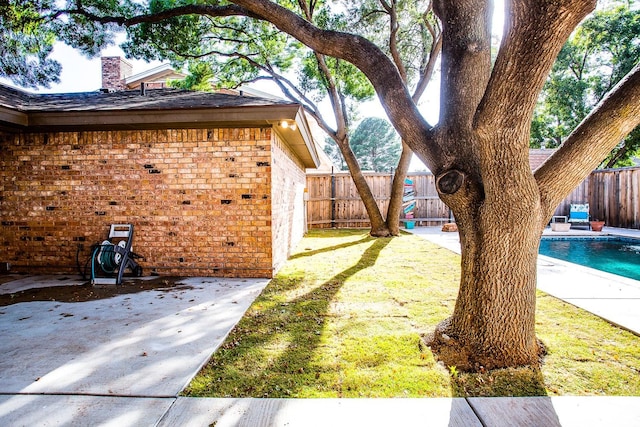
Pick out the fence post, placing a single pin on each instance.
(333, 199)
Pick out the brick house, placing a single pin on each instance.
(213, 183)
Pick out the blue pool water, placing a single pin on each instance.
(617, 255)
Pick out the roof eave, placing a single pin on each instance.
(12, 119)
(299, 139)
(156, 118)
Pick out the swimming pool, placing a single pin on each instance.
(617, 255)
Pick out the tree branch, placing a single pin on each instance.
(393, 38)
(436, 47)
(369, 59)
(427, 72)
(466, 59)
(193, 9)
(337, 100)
(611, 120)
(535, 31)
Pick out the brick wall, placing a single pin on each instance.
(288, 181)
(200, 199)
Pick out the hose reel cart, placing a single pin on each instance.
(113, 256)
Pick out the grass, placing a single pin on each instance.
(344, 318)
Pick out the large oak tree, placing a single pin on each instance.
(478, 151)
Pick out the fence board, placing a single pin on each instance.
(349, 209)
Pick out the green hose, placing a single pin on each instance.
(107, 259)
(106, 255)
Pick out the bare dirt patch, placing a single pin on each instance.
(88, 292)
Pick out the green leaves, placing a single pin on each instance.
(199, 78)
(412, 22)
(376, 145)
(26, 43)
(29, 29)
(601, 51)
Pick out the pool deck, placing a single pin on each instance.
(612, 297)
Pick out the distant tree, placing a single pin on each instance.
(199, 78)
(332, 150)
(599, 54)
(376, 145)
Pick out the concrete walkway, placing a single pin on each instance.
(123, 361)
(440, 412)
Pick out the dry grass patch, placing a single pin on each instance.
(344, 318)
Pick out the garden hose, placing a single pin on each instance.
(106, 255)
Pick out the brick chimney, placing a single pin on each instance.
(114, 70)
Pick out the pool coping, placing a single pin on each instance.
(593, 271)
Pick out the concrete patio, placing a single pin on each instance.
(123, 361)
(115, 361)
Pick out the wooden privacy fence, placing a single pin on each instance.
(613, 196)
(334, 200)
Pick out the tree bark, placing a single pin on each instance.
(493, 324)
(378, 224)
(397, 190)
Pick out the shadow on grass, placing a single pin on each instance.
(331, 248)
(270, 352)
(523, 381)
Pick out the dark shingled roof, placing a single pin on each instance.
(152, 99)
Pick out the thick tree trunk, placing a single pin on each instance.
(493, 322)
(397, 190)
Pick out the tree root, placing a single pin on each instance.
(450, 351)
(380, 232)
(453, 353)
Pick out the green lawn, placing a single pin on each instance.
(344, 318)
